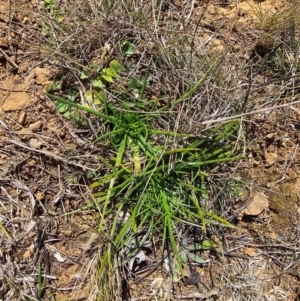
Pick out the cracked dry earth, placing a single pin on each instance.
(42, 167)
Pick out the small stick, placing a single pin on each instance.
(293, 157)
(53, 156)
(249, 113)
(9, 59)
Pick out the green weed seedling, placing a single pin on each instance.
(96, 96)
(101, 79)
(73, 114)
(188, 251)
(108, 75)
(49, 5)
(54, 13)
(53, 9)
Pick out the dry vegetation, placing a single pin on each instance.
(146, 130)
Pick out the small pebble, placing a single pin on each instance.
(35, 126)
(22, 118)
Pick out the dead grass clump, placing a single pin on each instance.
(277, 28)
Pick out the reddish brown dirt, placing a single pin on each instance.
(37, 180)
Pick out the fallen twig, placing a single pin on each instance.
(48, 154)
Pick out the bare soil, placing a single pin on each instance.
(43, 164)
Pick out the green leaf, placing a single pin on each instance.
(56, 85)
(196, 258)
(90, 174)
(83, 75)
(48, 4)
(128, 49)
(209, 244)
(46, 30)
(204, 245)
(97, 83)
(191, 91)
(184, 241)
(99, 97)
(61, 107)
(116, 66)
(72, 93)
(135, 84)
(145, 79)
(83, 108)
(183, 255)
(111, 72)
(107, 76)
(121, 151)
(60, 19)
(41, 285)
(2, 228)
(88, 96)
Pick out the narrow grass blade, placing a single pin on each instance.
(189, 93)
(169, 229)
(41, 285)
(5, 231)
(145, 79)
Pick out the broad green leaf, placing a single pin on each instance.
(110, 72)
(83, 75)
(128, 49)
(107, 78)
(61, 107)
(88, 96)
(97, 83)
(116, 66)
(55, 86)
(184, 241)
(204, 245)
(197, 258)
(183, 255)
(209, 244)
